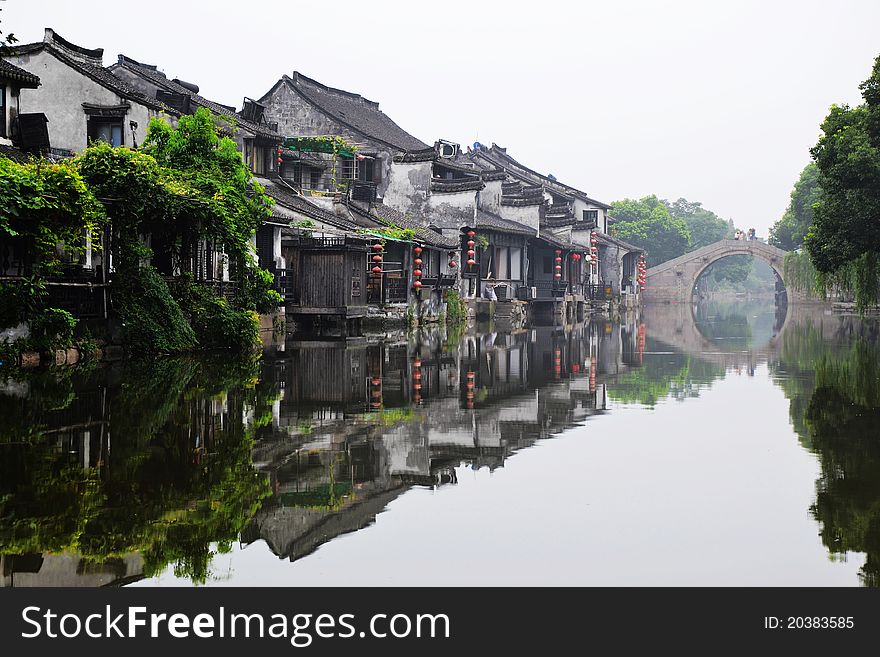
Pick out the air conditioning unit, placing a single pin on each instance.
(446, 149)
(524, 293)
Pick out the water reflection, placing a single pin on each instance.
(116, 473)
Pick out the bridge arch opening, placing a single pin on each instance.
(739, 300)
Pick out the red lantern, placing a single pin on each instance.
(471, 233)
(418, 250)
(471, 263)
(417, 272)
(377, 270)
(558, 267)
(417, 284)
(376, 382)
(417, 375)
(378, 247)
(280, 150)
(452, 264)
(558, 252)
(417, 261)
(377, 258)
(471, 244)
(280, 161)
(557, 275)
(471, 253)
(558, 260)
(417, 386)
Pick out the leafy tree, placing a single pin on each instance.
(6, 41)
(845, 233)
(790, 231)
(705, 226)
(647, 223)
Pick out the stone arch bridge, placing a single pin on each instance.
(674, 280)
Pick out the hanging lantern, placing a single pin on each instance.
(558, 259)
(471, 234)
(558, 252)
(417, 375)
(376, 382)
(471, 244)
(417, 284)
(378, 247)
(280, 150)
(280, 161)
(377, 270)
(417, 261)
(453, 264)
(417, 386)
(558, 267)
(471, 253)
(377, 258)
(418, 250)
(417, 272)
(471, 263)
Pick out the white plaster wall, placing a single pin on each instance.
(408, 186)
(489, 199)
(525, 215)
(60, 96)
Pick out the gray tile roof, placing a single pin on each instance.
(99, 74)
(293, 201)
(388, 216)
(354, 111)
(496, 223)
(24, 78)
(158, 78)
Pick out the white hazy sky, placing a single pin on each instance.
(715, 102)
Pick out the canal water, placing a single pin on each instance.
(728, 443)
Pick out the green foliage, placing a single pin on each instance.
(185, 184)
(391, 231)
(45, 205)
(790, 231)
(705, 227)
(20, 299)
(153, 321)
(257, 292)
(648, 224)
(801, 275)
(456, 310)
(158, 492)
(216, 323)
(844, 239)
(52, 328)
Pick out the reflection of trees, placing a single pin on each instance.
(170, 471)
(664, 373)
(835, 408)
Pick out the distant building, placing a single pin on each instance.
(80, 98)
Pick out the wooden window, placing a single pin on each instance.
(502, 263)
(366, 168)
(108, 130)
(347, 168)
(314, 178)
(515, 264)
(2, 110)
(591, 217)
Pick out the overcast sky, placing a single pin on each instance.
(717, 103)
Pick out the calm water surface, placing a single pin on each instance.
(724, 444)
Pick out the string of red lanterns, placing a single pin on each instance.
(469, 395)
(471, 252)
(377, 258)
(417, 271)
(558, 266)
(280, 160)
(417, 380)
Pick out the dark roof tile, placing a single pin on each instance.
(354, 111)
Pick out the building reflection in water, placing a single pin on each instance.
(113, 473)
(358, 423)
